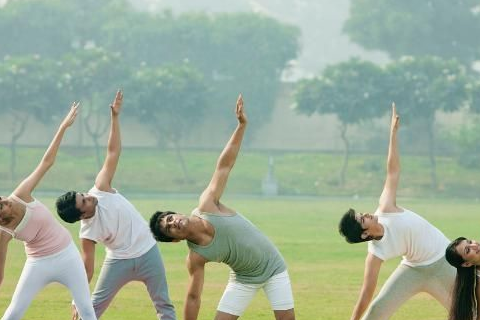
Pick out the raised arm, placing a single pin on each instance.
(370, 277)
(211, 195)
(105, 176)
(388, 199)
(26, 187)
(196, 270)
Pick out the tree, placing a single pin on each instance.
(444, 28)
(234, 52)
(351, 90)
(93, 73)
(422, 86)
(170, 100)
(30, 87)
(52, 28)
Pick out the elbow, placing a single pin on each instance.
(193, 298)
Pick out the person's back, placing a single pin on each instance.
(118, 225)
(242, 246)
(408, 235)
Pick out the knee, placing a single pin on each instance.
(285, 315)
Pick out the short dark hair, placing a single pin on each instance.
(66, 207)
(350, 228)
(155, 226)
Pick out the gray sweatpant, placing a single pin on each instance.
(147, 268)
(437, 279)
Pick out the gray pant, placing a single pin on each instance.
(437, 279)
(147, 268)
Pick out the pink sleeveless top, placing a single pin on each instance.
(41, 234)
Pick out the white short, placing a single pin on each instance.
(237, 296)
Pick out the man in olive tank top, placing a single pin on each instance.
(216, 233)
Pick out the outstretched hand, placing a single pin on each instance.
(241, 116)
(116, 105)
(395, 119)
(70, 117)
(75, 315)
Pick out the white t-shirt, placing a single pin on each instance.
(478, 272)
(118, 225)
(408, 235)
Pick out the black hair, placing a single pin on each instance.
(66, 207)
(463, 297)
(350, 228)
(155, 226)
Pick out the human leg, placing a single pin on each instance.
(114, 275)
(34, 277)
(151, 272)
(235, 299)
(440, 284)
(74, 278)
(279, 292)
(402, 284)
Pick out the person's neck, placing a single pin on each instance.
(378, 232)
(201, 232)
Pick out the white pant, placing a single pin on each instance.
(65, 267)
(237, 296)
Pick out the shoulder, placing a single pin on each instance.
(195, 261)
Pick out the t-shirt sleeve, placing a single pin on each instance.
(478, 272)
(90, 231)
(376, 250)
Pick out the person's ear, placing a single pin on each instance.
(364, 235)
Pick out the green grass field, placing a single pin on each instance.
(326, 272)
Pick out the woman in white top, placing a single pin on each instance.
(464, 254)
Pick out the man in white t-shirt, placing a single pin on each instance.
(107, 217)
(393, 231)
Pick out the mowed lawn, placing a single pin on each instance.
(326, 272)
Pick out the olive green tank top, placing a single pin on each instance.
(238, 243)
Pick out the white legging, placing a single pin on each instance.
(65, 267)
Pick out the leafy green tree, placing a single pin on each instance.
(423, 86)
(52, 28)
(170, 100)
(30, 87)
(444, 28)
(235, 52)
(351, 90)
(94, 76)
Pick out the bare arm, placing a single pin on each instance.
(210, 198)
(26, 187)
(105, 176)
(4, 240)
(196, 269)
(370, 277)
(88, 256)
(388, 199)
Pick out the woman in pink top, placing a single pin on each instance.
(51, 254)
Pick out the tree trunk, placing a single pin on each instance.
(97, 151)
(20, 124)
(95, 129)
(181, 161)
(431, 155)
(346, 153)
